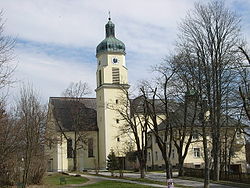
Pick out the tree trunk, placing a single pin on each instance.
(168, 170)
(181, 168)
(206, 176)
(206, 160)
(142, 172)
(216, 171)
(142, 167)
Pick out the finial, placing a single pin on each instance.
(109, 16)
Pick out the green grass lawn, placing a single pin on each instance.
(230, 183)
(53, 180)
(114, 184)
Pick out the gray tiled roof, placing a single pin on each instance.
(75, 113)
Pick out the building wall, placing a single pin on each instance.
(57, 149)
(109, 97)
(191, 161)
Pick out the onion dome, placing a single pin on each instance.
(110, 43)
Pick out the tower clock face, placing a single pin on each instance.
(115, 60)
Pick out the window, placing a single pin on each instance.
(118, 139)
(100, 77)
(156, 156)
(173, 153)
(149, 156)
(117, 120)
(197, 166)
(99, 62)
(90, 147)
(115, 75)
(116, 101)
(69, 149)
(197, 152)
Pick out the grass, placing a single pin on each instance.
(230, 183)
(114, 184)
(54, 180)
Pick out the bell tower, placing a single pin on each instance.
(112, 80)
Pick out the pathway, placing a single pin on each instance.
(95, 179)
(161, 177)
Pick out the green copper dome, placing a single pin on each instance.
(110, 43)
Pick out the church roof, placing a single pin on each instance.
(75, 113)
(110, 43)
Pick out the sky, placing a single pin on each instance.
(56, 39)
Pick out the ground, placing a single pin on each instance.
(154, 179)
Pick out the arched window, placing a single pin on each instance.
(69, 148)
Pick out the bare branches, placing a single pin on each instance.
(208, 40)
(77, 90)
(78, 114)
(6, 56)
(32, 116)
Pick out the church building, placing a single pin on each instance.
(88, 126)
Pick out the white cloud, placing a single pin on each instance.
(50, 76)
(148, 29)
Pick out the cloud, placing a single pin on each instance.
(51, 75)
(56, 40)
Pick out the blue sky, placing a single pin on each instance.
(56, 39)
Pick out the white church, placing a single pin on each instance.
(88, 129)
(94, 128)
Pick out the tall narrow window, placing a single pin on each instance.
(90, 148)
(100, 77)
(197, 152)
(115, 75)
(156, 156)
(69, 149)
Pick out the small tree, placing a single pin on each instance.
(112, 162)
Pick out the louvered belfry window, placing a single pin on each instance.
(116, 75)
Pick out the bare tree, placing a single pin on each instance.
(6, 56)
(133, 113)
(76, 109)
(158, 102)
(10, 147)
(184, 115)
(210, 33)
(31, 115)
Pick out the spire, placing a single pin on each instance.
(109, 16)
(110, 43)
(110, 28)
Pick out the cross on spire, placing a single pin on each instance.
(109, 16)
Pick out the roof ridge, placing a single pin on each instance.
(72, 97)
